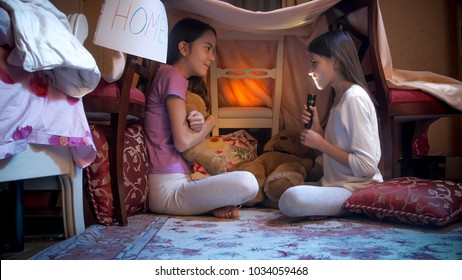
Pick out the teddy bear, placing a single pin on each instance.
(211, 162)
(284, 163)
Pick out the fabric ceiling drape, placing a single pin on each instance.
(299, 24)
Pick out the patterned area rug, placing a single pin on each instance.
(259, 234)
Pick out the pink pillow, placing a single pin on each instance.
(110, 91)
(410, 200)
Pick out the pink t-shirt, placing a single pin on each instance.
(163, 156)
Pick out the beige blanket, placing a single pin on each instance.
(300, 24)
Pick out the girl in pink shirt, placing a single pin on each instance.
(169, 130)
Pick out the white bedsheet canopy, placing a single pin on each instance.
(300, 24)
(225, 15)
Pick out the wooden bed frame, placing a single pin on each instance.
(42, 167)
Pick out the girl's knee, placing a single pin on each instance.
(249, 182)
(289, 202)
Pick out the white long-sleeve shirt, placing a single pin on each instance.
(352, 126)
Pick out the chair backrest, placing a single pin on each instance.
(341, 17)
(125, 96)
(248, 117)
(138, 74)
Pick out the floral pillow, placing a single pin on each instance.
(410, 200)
(135, 171)
(236, 146)
(98, 180)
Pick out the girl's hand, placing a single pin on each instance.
(311, 139)
(196, 120)
(306, 117)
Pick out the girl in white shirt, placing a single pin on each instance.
(350, 140)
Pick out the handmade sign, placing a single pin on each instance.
(138, 27)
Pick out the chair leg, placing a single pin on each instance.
(407, 133)
(116, 167)
(388, 149)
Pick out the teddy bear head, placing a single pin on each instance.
(288, 141)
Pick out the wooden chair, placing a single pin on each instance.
(248, 117)
(122, 99)
(399, 111)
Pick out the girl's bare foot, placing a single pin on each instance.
(227, 212)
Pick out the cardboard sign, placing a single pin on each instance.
(137, 27)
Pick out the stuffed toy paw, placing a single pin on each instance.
(284, 163)
(283, 177)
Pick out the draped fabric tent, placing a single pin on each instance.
(299, 24)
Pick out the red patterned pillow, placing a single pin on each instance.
(135, 170)
(410, 200)
(135, 174)
(98, 179)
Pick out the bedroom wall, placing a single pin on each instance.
(422, 36)
(91, 9)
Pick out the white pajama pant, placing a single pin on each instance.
(178, 194)
(303, 201)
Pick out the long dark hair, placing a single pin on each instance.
(338, 45)
(187, 30)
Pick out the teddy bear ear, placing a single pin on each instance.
(269, 146)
